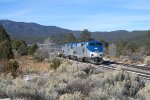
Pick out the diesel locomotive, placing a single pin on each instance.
(91, 51)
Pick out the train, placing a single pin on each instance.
(90, 51)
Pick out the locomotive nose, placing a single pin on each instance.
(96, 54)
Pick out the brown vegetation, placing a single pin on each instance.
(27, 64)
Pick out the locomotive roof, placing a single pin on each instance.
(93, 41)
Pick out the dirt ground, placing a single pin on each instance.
(125, 61)
(27, 63)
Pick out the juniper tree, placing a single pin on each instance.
(5, 45)
(20, 46)
(33, 49)
(70, 38)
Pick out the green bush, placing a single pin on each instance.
(55, 63)
(20, 46)
(126, 48)
(39, 56)
(32, 49)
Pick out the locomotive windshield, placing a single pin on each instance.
(95, 44)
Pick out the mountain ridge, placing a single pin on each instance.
(32, 32)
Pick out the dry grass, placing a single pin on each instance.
(26, 63)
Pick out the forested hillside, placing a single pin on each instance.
(32, 32)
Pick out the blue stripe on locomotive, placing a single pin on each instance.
(95, 48)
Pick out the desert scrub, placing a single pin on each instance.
(80, 85)
(144, 94)
(55, 63)
(73, 67)
(74, 96)
(51, 96)
(147, 60)
(64, 67)
(96, 76)
(12, 67)
(40, 56)
(64, 77)
(77, 66)
(80, 74)
(19, 88)
(98, 94)
(5, 80)
(73, 83)
(130, 83)
(119, 84)
(121, 75)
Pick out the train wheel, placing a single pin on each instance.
(100, 61)
(69, 57)
(84, 60)
(75, 58)
(79, 59)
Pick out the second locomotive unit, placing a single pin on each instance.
(91, 51)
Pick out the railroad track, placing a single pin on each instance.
(128, 65)
(141, 71)
(136, 66)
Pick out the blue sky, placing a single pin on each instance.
(95, 15)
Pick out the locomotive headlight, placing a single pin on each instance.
(101, 54)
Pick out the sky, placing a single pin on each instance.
(94, 15)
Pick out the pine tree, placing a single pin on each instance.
(86, 36)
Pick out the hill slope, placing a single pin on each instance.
(34, 32)
(30, 31)
(120, 35)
